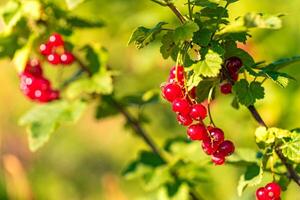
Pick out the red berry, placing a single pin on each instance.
(226, 88)
(233, 64)
(181, 106)
(177, 75)
(197, 132)
(46, 49)
(198, 112)
(67, 58)
(208, 147)
(217, 136)
(193, 93)
(184, 120)
(56, 40)
(34, 68)
(218, 160)
(273, 190)
(47, 96)
(261, 194)
(53, 58)
(226, 148)
(172, 91)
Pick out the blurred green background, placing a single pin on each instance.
(85, 161)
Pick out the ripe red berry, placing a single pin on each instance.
(34, 68)
(53, 58)
(273, 190)
(177, 75)
(56, 40)
(181, 106)
(26, 80)
(198, 112)
(184, 120)
(46, 49)
(197, 132)
(261, 194)
(233, 64)
(217, 136)
(67, 58)
(226, 88)
(172, 91)
(226, 148)
(208, 147)
(218, 160)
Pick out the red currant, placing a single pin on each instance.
(53, 58)
(198, 112)
(261, 194)
(218, 160)
(217, 136)
(197, 132)
(273, 190)
(208, 147)
(172, 91)
(233, 64)
(226, 88)
(34, 68)
(67, 58)
(226, 148)
(184, 120)
(46, 49)
(56, 40)
(181, 106)
(177, 75)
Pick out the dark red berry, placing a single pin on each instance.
(56, 40)
(177, 75)
(197, 132)
(172, 91)
(218, 160)
(273, 190)
(181, 106)
(34, 68)
(226, 88)
(198, 112)
(217, 136)
(193, 93)
(261, 194)
(233, 64)
(208, 147)
(46, 49)
(53, 58)
(184, 120)
(67, 58)
(226, 148)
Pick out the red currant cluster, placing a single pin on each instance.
(34, 85)
(231, 73)
(270, 192)
(191, 114)
(55, 52)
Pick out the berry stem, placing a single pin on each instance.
(208, 105)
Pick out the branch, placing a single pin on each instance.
(292, 172)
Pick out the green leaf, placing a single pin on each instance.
(202, 37)
(231, 50)
(282, 79)
(203, 89)
(43, 120)
(77, 22)
(105, 108)
(268, 136)
(248, 94)
(95, 57)
(194, 52)
(291, 149)
(252, 177)
(11, 13)
(185, 31)
(257, 20)
(142, 36)
(210, 66)
(169, 47)
(279, 64)
(243, 156)
(73, 3)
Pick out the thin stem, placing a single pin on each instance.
(208, 105)
(175, 11)
(257, 116)
(190, 10)
(159, 2)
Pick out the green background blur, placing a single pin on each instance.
(84, 161)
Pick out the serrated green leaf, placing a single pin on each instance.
(142, 36)
(43, 120)
(202, 37)
(291, 149)
(194, 52)
(210, 66)
(185, 31)
(252, 177)
(169, 47)
(73, 3)
(257, 20)
(246, 93)
(268, 136)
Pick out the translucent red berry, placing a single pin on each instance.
(197, 132)
(218, 160)
(56, 40)
(53, 58)
(261, 194)
(177, 75)
(226, 148)
(208, 147)
(34, 68)
(181, 106)
(184, 120)
(273, 190)
(67, 58)
(172, 91)
(217, 136)
(46, 49)
(226, 88)
(198, 112)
